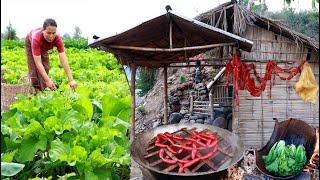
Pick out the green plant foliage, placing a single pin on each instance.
(79, 43)
(11, 44)
(145, 81)
(10, 169)
(183, 79)
(285, 160)
(142, 110)
(214, 73)
(81, 135)
(10, 33)
(305, 22)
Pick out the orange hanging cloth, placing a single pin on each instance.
(307, 86)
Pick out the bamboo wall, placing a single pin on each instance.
(253, 121)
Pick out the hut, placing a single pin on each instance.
(254, 121)
(166, 39)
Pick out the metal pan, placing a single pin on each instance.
(140, 143)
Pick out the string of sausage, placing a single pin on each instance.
(196, 142)
(242, 79)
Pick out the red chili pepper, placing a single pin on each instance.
(180, 151)
(160, 145)
(200, 143)
(189, 139)
(213, 144)
(161, 136)
(183, 147)
(171, 150)
(181, 169)
(177, 137)
(207, 156)
(190, 163)
(189, 143)
(168, 161)
(197, 135)
(168, 139)
(208, 142)
(194, 151)
(196, 142)
(208, 136)
(183, 161)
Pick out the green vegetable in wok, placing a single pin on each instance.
(285, 160)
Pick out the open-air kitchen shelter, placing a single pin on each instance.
(164, 40)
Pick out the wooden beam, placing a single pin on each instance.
(165, 76)
(170, 50)
(133, 101)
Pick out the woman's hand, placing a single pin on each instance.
(51, 85)
(73, 85)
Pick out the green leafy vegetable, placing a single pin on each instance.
(61, 134)
(285, 160)
(10, 169)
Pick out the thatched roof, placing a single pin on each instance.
(148, 44)
(237, 19)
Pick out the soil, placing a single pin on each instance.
(153, 100)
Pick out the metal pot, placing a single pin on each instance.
(140, 143)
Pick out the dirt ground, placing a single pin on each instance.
(10, 91)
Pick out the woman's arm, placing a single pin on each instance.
(66, 67)
(43, 73)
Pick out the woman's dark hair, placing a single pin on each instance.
(49, 22)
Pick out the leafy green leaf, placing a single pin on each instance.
(10, 169)
(67, 176)
(121, 125)
(97, 159)
(8, 157)
(27, 150)
(84, 106)
(90, 175)
(57, 149)
(105, 173)
(285, 160)
(33, 129)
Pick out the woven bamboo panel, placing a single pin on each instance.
(253, 120)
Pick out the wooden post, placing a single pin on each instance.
(133, 100)
(165, 117)
(235, 111)
(221, 52)
(211, 104)
(191, 104)
(170, 33)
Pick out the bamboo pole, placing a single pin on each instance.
(133, 101)
(191, 104)
(172, 49)
(124, 71)
(211, 105)
(235, 111)
(278, 52)
(165, 117)
(210, 65)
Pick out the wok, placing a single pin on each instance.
(292, 131)
(140, 143)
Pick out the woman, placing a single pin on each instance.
(38, 42)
